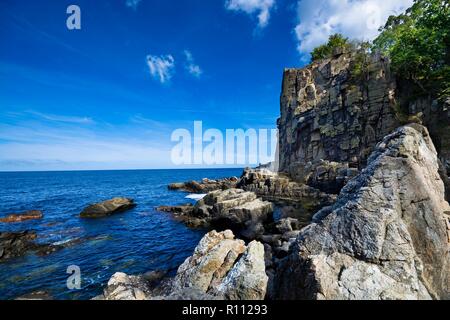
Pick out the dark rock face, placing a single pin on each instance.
(205, 186)
(19, 217)
(326, 115)
(386, 237)
(15, 244)
(107, 208)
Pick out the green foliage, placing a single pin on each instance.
(418, 44)
(359, 70)
(335, 41)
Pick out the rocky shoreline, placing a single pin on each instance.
(369, 244)
(357, 210)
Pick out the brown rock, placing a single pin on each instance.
(19, 217)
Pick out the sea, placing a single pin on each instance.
(136, 241)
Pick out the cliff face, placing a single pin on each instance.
(327, 115)
(387, 235)
(332, 117)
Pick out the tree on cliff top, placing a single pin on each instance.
(335, 42)
(417, 42)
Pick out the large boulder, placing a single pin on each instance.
(236, 209)
(386, 237)
(19, 217)
(247, 280)
(279, 187)
(124, 287)
(221, 267)
(212, 259)
(107, 208)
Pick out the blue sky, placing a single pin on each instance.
(109, 95)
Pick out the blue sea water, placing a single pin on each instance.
(133, 242)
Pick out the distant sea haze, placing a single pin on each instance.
(134, 242)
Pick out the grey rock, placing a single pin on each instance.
(107, 208)
(385, 238)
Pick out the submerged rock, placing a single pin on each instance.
(107, 208)
(16, 244)
(385, 238)
(36, 295)
(19, 217)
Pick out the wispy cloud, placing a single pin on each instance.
(133, 3)
(260, 7)
(161, 67)
(63, 118)
(191, 67)
(43, 145)
(357, 19)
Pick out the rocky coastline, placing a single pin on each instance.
(374, 189)
(356, 210)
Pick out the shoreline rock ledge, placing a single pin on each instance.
(386, 236)
(221, 268)
(108, 207)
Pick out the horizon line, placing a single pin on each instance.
(147, 169)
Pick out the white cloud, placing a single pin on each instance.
(260, 7)
(191, 67)
(356, 19)
(133, 3)
(161, 67)
(62, 118)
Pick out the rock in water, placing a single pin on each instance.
(221, 267)
(124, 287)
(15, 244)
(384, 238)
(235, 209)
(36, 295)
(108, 207)
(19, 217)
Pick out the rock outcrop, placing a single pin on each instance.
(16, 244)
(280, 187)
(124, 287)
(221, 267)
(20, 217)
(235, 209)
(326, 114)
(387, 235)
(107, 208)
(205, 186)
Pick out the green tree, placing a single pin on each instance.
(417, 42)
(335, 41)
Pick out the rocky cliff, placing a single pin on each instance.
(332, 117)
(387, 235)
(326, 114)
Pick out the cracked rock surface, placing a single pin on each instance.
(386, 237)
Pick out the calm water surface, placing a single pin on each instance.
(134, 242)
